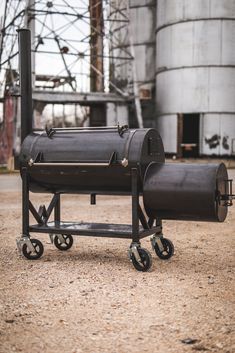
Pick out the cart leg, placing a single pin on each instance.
(25, 203)
(135, 203)
(57, 209)
(140, 258)
(25, 238)
(57, 218)
(61, 241)
(135, 245)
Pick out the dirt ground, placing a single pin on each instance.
(90, 299)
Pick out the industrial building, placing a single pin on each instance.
(185, 72)
(195, 76)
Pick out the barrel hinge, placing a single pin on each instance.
(122, 129)
(50, 132)
(124, 162)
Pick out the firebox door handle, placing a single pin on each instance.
(228, 196)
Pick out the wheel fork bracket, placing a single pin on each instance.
(51, 236)
(134, 251)
(24, 240)
(61, 238)
(157, 239)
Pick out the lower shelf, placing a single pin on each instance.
(91, 229)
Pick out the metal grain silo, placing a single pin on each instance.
(195, 76)
(132, 48)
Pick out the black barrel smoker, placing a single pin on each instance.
(111, 161)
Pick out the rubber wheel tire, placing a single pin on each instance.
(64, 246)
(146, 260)
(38, 250)
(168, 251)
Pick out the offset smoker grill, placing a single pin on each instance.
(111, 161)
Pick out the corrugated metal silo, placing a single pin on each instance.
(195, 75)
(141, 34)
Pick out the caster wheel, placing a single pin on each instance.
(146, 260)
(168, 249)
(66, 244)
(38, 250)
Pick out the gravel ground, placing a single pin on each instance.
(90, 299)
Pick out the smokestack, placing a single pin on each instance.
(25, 82)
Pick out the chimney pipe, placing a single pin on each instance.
(25, 82)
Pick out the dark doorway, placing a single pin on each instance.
(190, 135)
(98, 115)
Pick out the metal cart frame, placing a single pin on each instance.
(59, 228)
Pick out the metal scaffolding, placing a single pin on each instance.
(71, 39)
